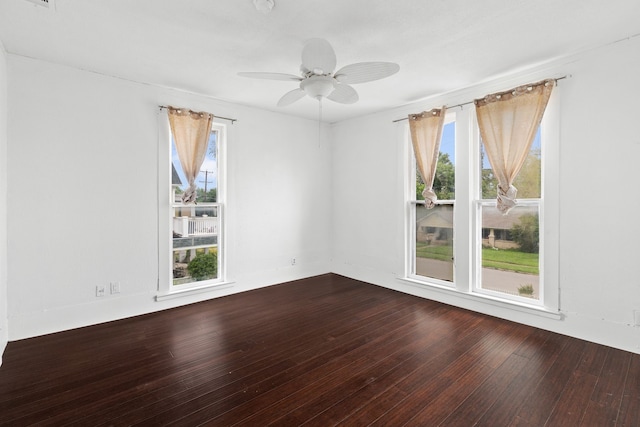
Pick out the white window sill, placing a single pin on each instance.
(193, 291)
(487, 299)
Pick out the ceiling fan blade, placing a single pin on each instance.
(362, 72)
(318, 57)
(344, 94)
(271, 76)
(291, 97)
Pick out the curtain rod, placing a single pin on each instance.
(471, 102)
(164, 107)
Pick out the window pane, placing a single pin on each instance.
(195, 264)
(444, 181)
(195, 243)
(194, 221)
(434, 242)
(528, 180)
(207, 180)
(510, 251)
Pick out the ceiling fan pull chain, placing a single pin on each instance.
(319, 121)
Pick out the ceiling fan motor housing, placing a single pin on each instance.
(318, 86)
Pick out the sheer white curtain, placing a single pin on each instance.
(508, 123)
(426, 132)
(191, 132)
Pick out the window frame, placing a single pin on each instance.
(450, 116)
(166, 205)
(467, 233)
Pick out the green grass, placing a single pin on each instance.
(509, 259)
(442, 253)
(504, 259)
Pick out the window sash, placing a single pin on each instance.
(477, 285)
(412, 261)
(194, 233)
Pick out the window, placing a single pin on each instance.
(510, 245)
(193, 256)
(432, 238)
(464, 243)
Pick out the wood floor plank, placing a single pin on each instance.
(593, 395)
(302, 380)
(630, 405)
(333, 347)
(232, 372)
(573, 402)
(544, 397)
(474, 369)
(386, 384)
(388, 368)
(432, 380)
(541, 350)
(604, 405)
(326, 350)
(203, 398)
(431, 383)
(483, 397)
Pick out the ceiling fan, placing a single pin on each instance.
(318, 80)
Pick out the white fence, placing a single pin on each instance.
(195, 226)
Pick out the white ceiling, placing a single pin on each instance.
(200, 45)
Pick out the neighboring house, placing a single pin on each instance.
(496, 228)
(176, 183)
(435, 227)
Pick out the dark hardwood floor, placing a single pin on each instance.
(320, 352)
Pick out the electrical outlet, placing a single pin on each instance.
(100, 291)
(293, 261)
(115, 288)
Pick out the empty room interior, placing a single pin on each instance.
(279, 212)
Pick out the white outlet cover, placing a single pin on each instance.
(115, 287)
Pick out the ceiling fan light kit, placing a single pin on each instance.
(318, 79)
(318, 86)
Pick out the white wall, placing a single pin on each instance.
(599, 229)
(3, 202)
(83, 163)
